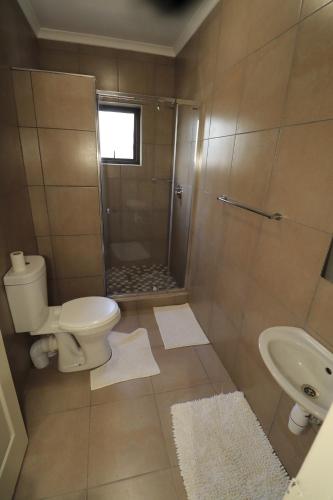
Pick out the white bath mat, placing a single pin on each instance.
(223, 452)
(178, 326)
(131, 358)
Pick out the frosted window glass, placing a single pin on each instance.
(116, 134)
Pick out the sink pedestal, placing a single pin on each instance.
(298, 419)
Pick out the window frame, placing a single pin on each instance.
(137, 112)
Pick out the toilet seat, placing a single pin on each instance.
(81, 315)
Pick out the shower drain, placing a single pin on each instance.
(310, 391)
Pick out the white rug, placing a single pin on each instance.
(131, 358)
(178, 326)
(223, 452)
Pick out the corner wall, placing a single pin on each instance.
(262, 73)
(18, 48)
(57, 118)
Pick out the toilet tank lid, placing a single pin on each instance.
(79, 314)
(35, 268)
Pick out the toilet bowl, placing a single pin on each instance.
(78, 329)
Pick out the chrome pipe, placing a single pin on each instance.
(229, 201)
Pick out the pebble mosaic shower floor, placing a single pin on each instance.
(138, 278)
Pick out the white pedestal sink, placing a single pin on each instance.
(301, 366)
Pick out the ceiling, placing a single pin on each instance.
(125, 24)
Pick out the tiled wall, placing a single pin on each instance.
(19, 48)
(262, 70)
(57, 115)
(139, 208)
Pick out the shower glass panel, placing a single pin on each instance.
(137, 206)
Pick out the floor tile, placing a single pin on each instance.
(78, 495)
(154, 486)
(214, 368)
(49, 391)
(125, 440)
(57, 456)
(147, 320)
(164, 403)
(128, 323)
(123, 390)
(180, 368)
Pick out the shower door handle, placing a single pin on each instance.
(107, 211)
(179, 191)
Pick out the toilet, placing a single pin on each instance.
(78, 329)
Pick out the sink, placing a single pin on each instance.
(301, 366)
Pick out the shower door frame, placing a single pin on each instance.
(145, 99)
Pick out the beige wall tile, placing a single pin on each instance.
(289, 261)
(136, 225)
(82, 214)
(64, 101)
(44, 246)
(309, 6)
(269, 18)
(165, 80)
(136, 76)
(290, 449)
(39, 210)
(321, 313)
(234, 32)
(303, 175)
(69, 157)
(262, 311)
(74, 288)
(31, 156)
(230, 292)
(163, 160)
(251, 166)
(24, 99)
(310, 95)
(224, 337)
(261, 391)
(218, 165)
(59, 60)
(161, 195)
(226, 101)
(208, 36)
(104, 67)
(148, 123)
(266, 82)
(164, 125)
(160, 225)
(77, 256)
(136, 194)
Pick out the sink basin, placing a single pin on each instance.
(301, 366)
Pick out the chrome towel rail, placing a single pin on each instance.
(234, 203)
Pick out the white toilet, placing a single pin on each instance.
(78, 329)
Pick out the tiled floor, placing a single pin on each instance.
(114, 443)
(138, 278)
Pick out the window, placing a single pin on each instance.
(119, 134)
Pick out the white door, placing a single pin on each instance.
(13, 437)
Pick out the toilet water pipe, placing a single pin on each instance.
(40, 349)
(298, 419)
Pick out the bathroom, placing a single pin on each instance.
(235, 101)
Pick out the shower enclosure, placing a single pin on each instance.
(146, 191)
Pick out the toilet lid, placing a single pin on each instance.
(87, 312)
